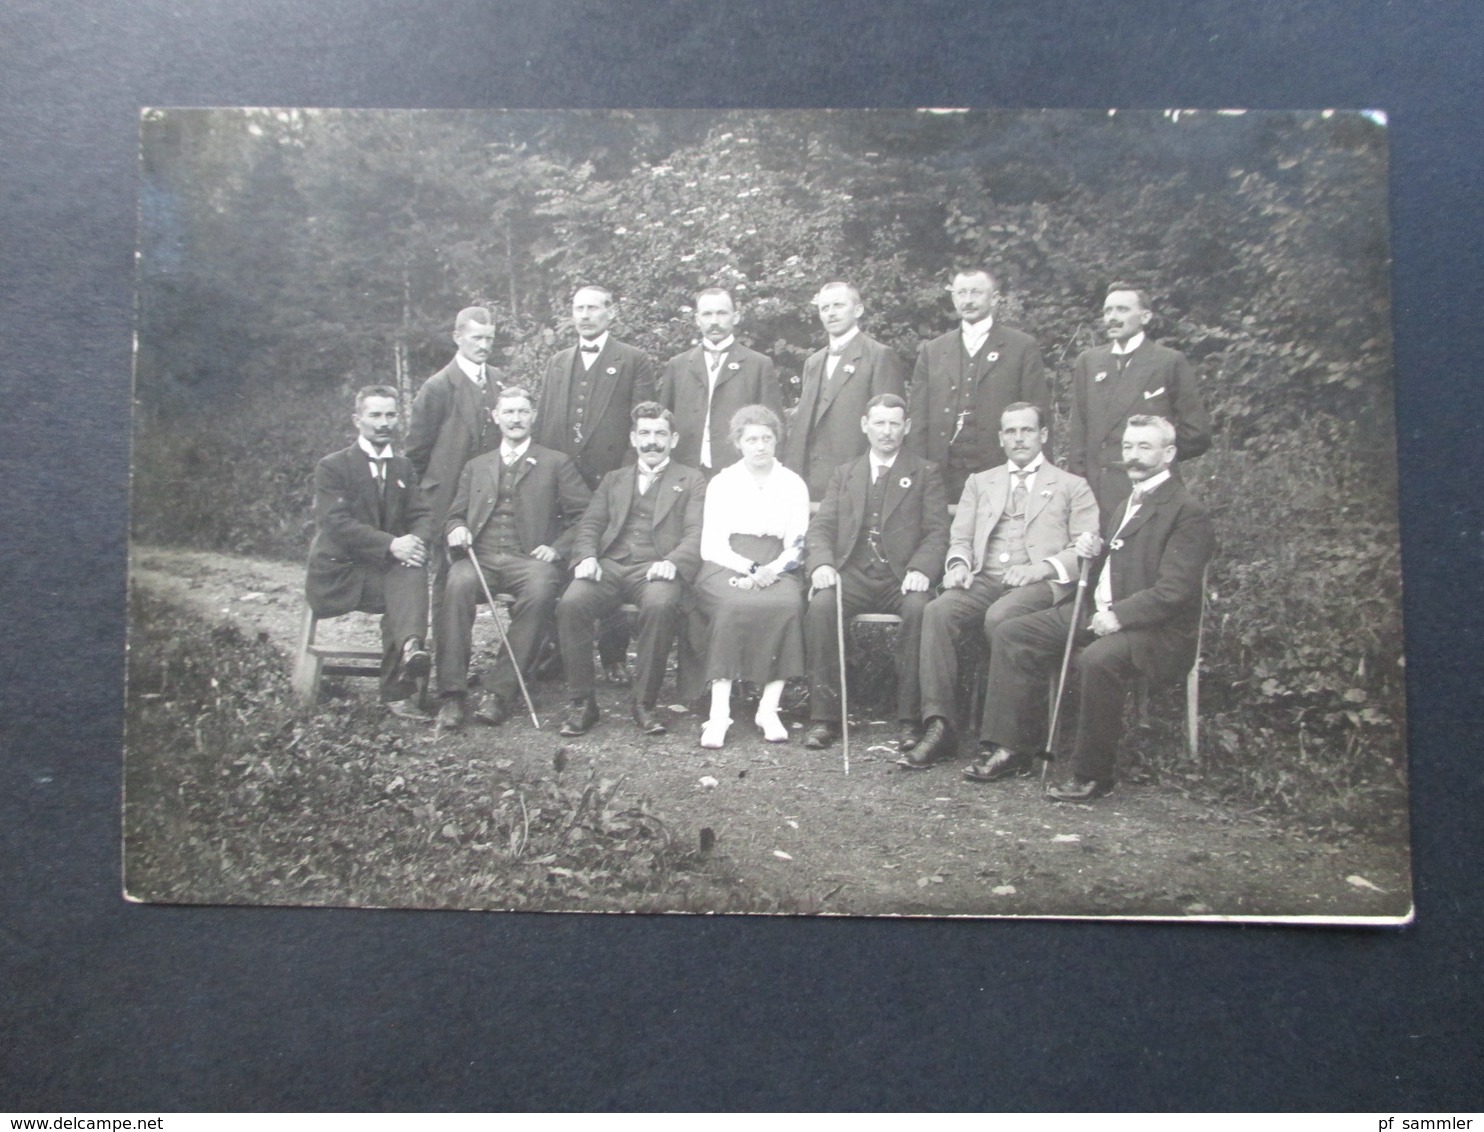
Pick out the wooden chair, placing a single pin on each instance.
(311, 661)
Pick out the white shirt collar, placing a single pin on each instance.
(878, 464)
(1143, 489)
(508, 453)
(839, 343)
(473, 372)
(722, 347)
(370, 450)
(646, 472)
(1133, 344)
(977, 331)
(601, 340)
(1033, 467)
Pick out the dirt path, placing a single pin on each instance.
(880, 840)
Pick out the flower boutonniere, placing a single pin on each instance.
(992, 357)
(1116, 544)
(734, 365)
(906, 481)
(676, 488)
(1100, 375)
(531, 460)
(849, 367)
(611, 370)
(1046, 494)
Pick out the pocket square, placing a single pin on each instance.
(1155, 393)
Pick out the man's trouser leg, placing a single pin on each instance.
(659, 605)
(454, 630)
(1105, 669)
(1025, 651)
(821, 639)
(1018, 602)
(405, 597)
(582, 604)
(536, 585)
(944, 622)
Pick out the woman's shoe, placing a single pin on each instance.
(714, 734)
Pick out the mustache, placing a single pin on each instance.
(651, 448)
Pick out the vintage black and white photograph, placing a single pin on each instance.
(875, 513)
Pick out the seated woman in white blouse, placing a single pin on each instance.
(750, 586)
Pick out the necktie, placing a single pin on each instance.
(1018, 492)
(713, 359)
(507, 457)
(876, 471)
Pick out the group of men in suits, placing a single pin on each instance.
(591, 491)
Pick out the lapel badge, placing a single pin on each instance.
(531, 460)
(402, 485)
(1100, 375)
(849, 367)
(906, 481)
(734, 365)
(992, 357)
(1156, 393)
(1116, 544)
(676, 488)
(1046, 494)
(611, 370)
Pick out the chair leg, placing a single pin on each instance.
(305, 680)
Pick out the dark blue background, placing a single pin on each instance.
(109, 1006)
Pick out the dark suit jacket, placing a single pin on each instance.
(824, 430)
(549, 497)
(1016, 374)
(350, 540)
(1060, 508)
(746, 378)
(450, 425)
(914, 517)
(1158, 561)
(680, 496)
(1158, 381)
(622, 376)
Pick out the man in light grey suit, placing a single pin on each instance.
(1010, 552)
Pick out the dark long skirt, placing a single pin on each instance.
(754, 635)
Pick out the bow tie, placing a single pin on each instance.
(590, 348)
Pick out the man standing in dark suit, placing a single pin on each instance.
(1131, 375)
(880, 535)
(1145, 617)
(638, 541)
(1010, 553)
(963, 380)
(704, 386)
(589, 389)
(452, 423)
(370, 548)
(823, 429)
(515, 506)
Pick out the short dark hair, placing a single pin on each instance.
(651, 411)
(1165, 426)
(977, 269)
(1017, 406)
(1138, 293)
(749, 415)
(607, 294)
(375, 391)
(854, 291)
(472, 314)
(886, 401)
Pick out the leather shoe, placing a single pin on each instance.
(417, 662)
(451, 713)
(617, 673)
(580, 718)
(1079, 789)
(648, 721)
(408, 709)
(909, 734)
(1000, 763)
(936, 744)
(820, 735)
(491, 710)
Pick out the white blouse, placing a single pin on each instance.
(738, 504)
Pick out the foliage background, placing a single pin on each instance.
(288, 256)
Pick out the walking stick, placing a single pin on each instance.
(504, 640)
(1066, 664)
(840, 640)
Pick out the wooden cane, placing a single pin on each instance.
(504, 640)
(840, 640)
(1066, 664)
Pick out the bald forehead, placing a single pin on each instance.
(591, 295)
